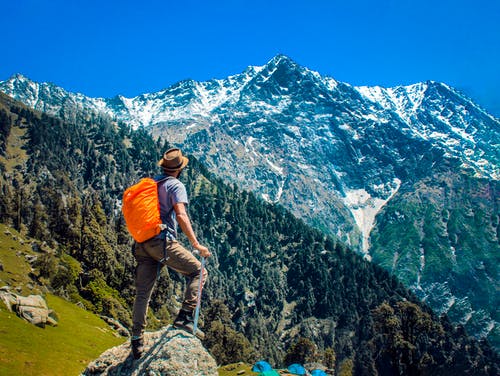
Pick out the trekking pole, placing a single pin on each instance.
(198, 297)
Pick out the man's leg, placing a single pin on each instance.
(145, 276)
(184, 262)
(147, 255)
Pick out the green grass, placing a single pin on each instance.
(235, 369)
(66, 349)
(16, 269)
(26, 349)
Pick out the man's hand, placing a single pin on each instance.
(204, 252)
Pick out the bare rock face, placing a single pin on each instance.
(168, 351)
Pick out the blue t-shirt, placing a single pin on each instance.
(170, 192)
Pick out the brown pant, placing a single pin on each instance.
(148, 255)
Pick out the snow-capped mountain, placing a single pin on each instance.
(334, 154)
(282, 119)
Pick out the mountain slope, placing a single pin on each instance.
(334, 154)
(440, 237)
(25, 349)
(272, 277)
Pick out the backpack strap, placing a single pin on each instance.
(160, 179)
(164, 229)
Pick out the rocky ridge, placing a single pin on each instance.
(167, 352)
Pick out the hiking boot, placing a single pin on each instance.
(137, 347)
(185, 321)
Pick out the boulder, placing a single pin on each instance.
(32, 308)
(168, 351)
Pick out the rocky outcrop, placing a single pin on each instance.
(32, 308)
(167, 352)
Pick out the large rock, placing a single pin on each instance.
(168, 351)
(32, 308)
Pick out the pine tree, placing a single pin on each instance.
(302, 351)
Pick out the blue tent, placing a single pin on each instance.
(296, 369)
(262, 366)
(269, 373)
(318, 372)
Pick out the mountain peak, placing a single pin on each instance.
(19, 77)
(281, 58)
(283, 61)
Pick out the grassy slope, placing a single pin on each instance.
(29, 350)
(236, 369)
(15, 267)
(63, 350)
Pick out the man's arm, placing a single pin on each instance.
(185, 225)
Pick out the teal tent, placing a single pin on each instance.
(318, 372)
(269, 373)
(262, 366)
(296, 369)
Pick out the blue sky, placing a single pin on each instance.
(104, 48)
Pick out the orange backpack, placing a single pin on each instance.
(141, 209)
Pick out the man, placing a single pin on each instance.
(164, 249)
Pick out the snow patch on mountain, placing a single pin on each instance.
(274, 167)
(364, 208)
(274, 200)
